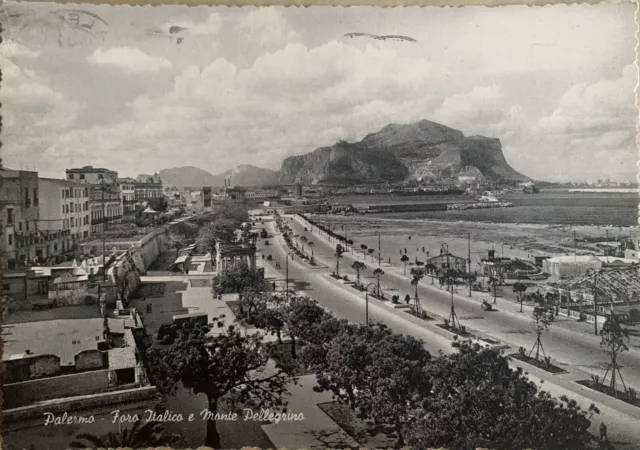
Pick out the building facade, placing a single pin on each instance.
(128, 194)
(64, 207)
(20, 241)
(105, 200)
(148, 187)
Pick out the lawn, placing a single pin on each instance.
(363, 432)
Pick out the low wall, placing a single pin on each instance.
(87, 402)
(27, 392)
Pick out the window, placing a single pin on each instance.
(62, 193)
(71, 176)
(6, 287)
(62, 209)
(27, 200)
(26, 224)
(85, 234)
(20, 226)
(71, 193)
(71, 221)
(10, 239)
(66, 191)
(9, 216)
(82, 176)
(35, 196)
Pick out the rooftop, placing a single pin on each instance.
(61, 182)
(86, 169)
(64, 338)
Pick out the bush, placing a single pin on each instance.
(269, 258)
(395, 299)
(266, 243)
(582, 317)
(345, 278)
(634, 315)
(89, 300)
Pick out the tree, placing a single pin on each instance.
(370, 251)
(252, 300)
(519, 288)
(376, 372)
(378, 273)
(227, 367)
(405, 260)
(613, 341)
(416, 275)
(338, 255)
(138, 436)
(186, 229)
(478, 401)
(303, 239)
(540, 323)
(222, 230)
(358, 266)
(270, 320)
(301, 315)
(237, 279)
(176, 242)
(159, 204)
(449, 278)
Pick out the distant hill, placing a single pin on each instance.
(242, 175)
(399, 153)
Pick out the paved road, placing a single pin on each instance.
(570, 344)
(574, 349)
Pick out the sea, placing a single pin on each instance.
(550, 207)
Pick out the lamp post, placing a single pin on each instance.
(286, 269)
(366, 299)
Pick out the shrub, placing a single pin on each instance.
(633, 394)
(596, 379)
(345, 278)
(634, 315)
(547, 361)
(266, 242)
(463, 329)
(583, 317)
(446, 323)
(522, 353)
(395, 299)
(89, 300)
(269, 258)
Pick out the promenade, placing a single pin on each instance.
(577, 351)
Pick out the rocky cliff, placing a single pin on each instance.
(420, 151)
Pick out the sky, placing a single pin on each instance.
(139, 89)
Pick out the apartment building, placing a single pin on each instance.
(105, 201)
(148, 187)
(128, 194)
(20, 242)
(64, 206)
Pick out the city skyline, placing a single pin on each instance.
(214, 87)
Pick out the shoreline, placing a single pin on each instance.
(513, 240)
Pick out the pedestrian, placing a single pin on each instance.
(422, 249)
(405, 250)
(274, 286)
(409, 237)
(389, 260)
(604, 440)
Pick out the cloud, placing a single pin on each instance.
(10, 48)
(129, 59)
(266, 28)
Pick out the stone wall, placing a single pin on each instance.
(80, 404)
(17, 370)
(27, 392)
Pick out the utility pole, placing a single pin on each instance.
(607, 244)
(104, 255)
(575, 252)
(469, 260)
(379, 254)
(595, 301)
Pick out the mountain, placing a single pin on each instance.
(242, 175)
(418, 151)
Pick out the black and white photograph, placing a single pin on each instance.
(319, 227)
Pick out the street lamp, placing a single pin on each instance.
(286, 269)
(379, 253)
(366, 299)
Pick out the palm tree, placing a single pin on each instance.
(358, 266)
(405, 260)
(378, 273)
(303, 239)
(138, 436)
(417, 275)
(311, 244)
(338, 255)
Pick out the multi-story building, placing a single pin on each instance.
(64, 207)
(128, 194)
(20, 242)
(148, 187)
(105, 201)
